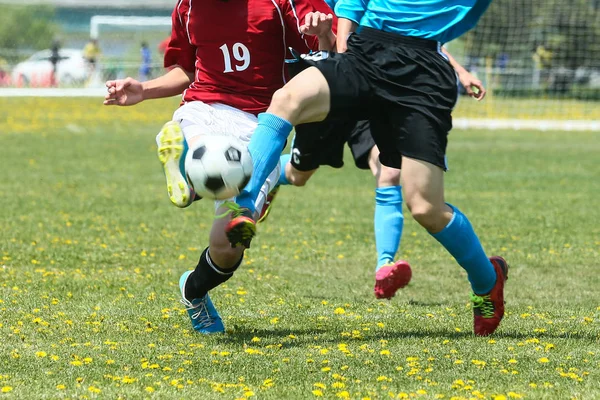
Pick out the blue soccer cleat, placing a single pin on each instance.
(202, 312)
(172, 148)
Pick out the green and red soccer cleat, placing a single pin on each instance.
(488, 309)
(242, 228)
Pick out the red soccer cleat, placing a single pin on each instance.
(390, 278)
(488, 309)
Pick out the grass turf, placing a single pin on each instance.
(92, 251)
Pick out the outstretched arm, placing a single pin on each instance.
(127, 92)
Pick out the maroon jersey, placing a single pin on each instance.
(237, 48)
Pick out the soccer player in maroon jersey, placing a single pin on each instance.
(228, 58)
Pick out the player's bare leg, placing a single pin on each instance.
(390, 274)
(424, 194)
(299, 102)
(303, 99)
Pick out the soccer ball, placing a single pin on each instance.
(218, 166)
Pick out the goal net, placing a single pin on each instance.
(121, 38)
(540, 61)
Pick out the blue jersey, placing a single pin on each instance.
(440, 20)
(331, 3)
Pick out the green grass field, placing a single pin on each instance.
(92, 251)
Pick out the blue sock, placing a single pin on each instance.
(459, 238)
(265, 146)
(388, 223)
(284, 160)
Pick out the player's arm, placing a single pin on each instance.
(344, 28)
(472, 85)
(320, 25)
(309, 25)
(127, 92)
(349, 13)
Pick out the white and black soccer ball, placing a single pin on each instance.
(218, 166)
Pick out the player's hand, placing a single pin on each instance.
(317, 24)
(472, 85)
(124, 92)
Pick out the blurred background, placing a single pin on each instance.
(544, 52)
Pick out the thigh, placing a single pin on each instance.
(361, 142)
(422, 183)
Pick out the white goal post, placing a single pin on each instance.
(131, 22)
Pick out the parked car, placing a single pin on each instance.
(71, 68)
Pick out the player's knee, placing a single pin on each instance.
(427, 215)
(285, 103)
(388, 177)
(298, 178)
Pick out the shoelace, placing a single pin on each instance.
(233, 208)
(202, 315)
(484, 303)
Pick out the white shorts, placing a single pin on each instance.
(197, 118)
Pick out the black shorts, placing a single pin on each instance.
(322, 143)
(403, 85)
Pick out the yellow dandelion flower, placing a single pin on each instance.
(6, 389)
(94, 389)
(339, 311)
(255, 339)
(149, 389)
(60, 387)
(543, 360)
(514, 395)
(41, 354)
(317, 393)
(343, 395)
(385, 352)
(76, 363)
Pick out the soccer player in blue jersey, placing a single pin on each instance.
(392, 73)
(322, 143)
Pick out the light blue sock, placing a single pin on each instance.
(459, 238)
(388, 223)
(265, 146)
(284, 160)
